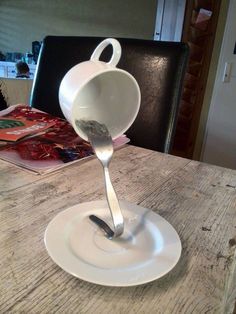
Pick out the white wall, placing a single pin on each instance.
(24, 21)
(220, 137)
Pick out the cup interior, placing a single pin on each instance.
(111, 98)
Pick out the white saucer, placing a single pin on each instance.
(149, 248)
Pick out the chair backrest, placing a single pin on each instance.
(158, 67)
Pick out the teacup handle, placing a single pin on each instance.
(115, 58)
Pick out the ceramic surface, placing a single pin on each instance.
(149, 248)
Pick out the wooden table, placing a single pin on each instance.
(199, 200)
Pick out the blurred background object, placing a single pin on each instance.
(22, 70)
(2, 56)
(14, 56)
(3, 103)
(36, 45)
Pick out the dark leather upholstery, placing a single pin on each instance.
(158, 67)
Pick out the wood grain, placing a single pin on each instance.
(199, 200)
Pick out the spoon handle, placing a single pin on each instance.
(117, 217)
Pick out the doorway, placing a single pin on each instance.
(199, 29)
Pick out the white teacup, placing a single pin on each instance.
(96, 90)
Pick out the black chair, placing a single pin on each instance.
(158, 67)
